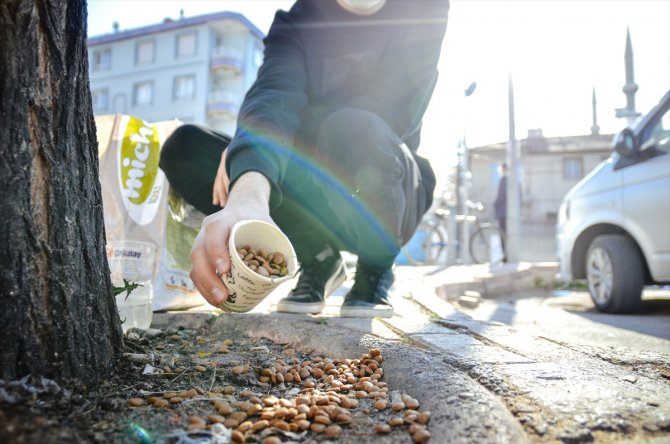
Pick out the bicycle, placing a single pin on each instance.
(487, 238)
(433, 236)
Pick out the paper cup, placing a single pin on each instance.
(246, 288)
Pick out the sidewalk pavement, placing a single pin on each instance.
(483, 380)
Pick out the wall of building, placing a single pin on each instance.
(217, 92)
(547, 174)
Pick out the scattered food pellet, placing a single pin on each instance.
(136, 402)
(421, 436)
(382, 428)
(318, 395)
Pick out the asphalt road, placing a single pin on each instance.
(571, 317)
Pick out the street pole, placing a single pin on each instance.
(513, 237)
(459, 206)
(465, 210)
(465, 182)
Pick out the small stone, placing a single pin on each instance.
(152, 333)
(468, 301)
(139, 358)
(582, 435)
(650, 428)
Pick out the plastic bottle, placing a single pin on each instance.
(135, 310)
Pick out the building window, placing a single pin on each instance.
(186, 44)
(572, 169)
(258, 58)
(143, 93)
(102, 60)
(184, 87)
(100, 100)
(144, 52)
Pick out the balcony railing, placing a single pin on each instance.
(227, 60)
(223, 103)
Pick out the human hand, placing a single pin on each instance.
(221, 183)
(210, 258)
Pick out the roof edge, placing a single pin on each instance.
(172, 25)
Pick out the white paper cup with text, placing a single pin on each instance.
(247, 288)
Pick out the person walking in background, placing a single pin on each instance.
(325, 147)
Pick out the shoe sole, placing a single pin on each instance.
(300, 307)
(332, 284)
(364, 312)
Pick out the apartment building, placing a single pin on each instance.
(194, 69)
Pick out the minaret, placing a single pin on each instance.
(630, 88)
(595, 129)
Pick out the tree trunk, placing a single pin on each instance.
(58, 317)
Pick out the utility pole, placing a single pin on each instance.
(464, 189)
(513, 238)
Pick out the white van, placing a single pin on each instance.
(614, 225)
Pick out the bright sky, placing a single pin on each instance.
(556, 50)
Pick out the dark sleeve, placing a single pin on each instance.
(270, 113)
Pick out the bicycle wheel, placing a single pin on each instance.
(483, 242)
(425, 246)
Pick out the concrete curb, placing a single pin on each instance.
(491, 282)
(462, 410)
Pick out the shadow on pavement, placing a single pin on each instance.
(638, 322)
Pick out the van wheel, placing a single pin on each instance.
(615, 274)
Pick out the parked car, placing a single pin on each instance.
(614, 226)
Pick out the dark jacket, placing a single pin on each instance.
(320, 58)
(500, 204)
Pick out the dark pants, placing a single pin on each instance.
(357, 188)
(502, 223)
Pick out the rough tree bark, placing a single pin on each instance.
(58, 317)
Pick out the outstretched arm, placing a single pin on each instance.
(248, 199)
